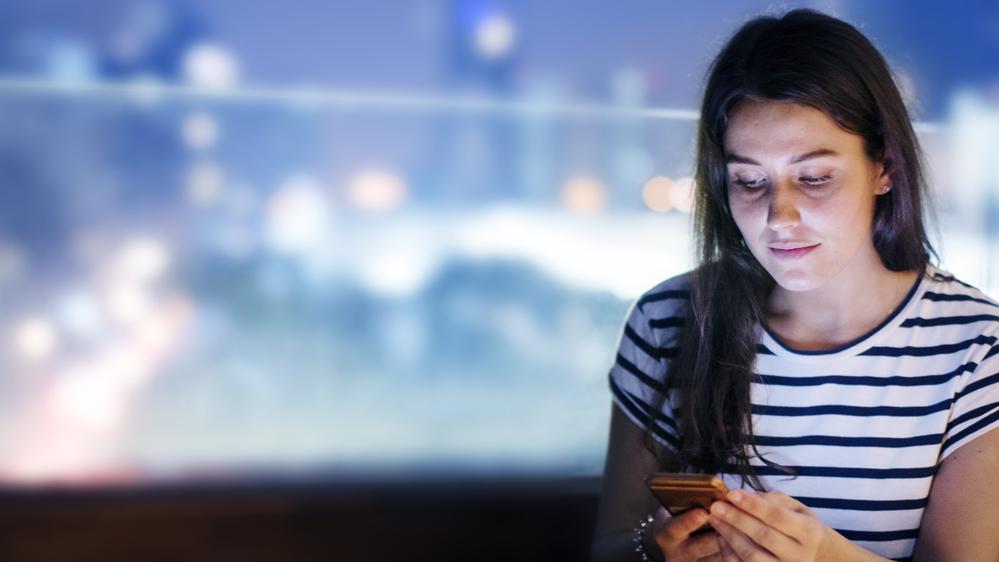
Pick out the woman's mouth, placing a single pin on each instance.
(793, 254)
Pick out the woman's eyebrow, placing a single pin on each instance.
(735, 158)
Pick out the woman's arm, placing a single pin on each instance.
(961, 521)
(624, 498)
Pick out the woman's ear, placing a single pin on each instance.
(887, 167)
(882, 180)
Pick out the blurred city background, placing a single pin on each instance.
(338, 238)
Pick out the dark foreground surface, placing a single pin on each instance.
(431, 519)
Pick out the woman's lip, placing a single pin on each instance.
(793, 254)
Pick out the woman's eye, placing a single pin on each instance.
(815, 181)
(759, 182)
(748, 183)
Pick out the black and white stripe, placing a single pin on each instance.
(863, 426)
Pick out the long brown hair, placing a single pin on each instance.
(808, 58)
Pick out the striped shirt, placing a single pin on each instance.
(864, 425)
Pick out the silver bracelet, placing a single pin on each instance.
(639, 538)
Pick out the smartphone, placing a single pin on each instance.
(679, 492)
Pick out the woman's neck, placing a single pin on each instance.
(838, 312)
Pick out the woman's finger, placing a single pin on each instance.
(759, 531)
(777, 510)
(678, 528)
(744, 547)
(728, 555)
(787, 501)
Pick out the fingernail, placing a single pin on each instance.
(719, 508)
(735, 496)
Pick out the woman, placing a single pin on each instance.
(815, 359)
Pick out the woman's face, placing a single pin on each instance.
(796, 179)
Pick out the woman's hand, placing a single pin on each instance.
(673, 535)
(770, 526)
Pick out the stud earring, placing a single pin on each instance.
(886, 189)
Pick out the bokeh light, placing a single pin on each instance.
(297, 214)
(142, 260)
(210, 66)
(495, 36)
(35, 338)
(200, 130)
(682, 194)
(225, 228)
(657, 194)
(377, 190)
(584, 194)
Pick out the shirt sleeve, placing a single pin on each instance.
(975, 406)
(638, 377)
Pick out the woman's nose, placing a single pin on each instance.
(783, 211)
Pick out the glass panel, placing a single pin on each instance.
(205, 278)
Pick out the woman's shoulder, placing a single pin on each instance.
(947, 289)
(667, 297)
(965, 305)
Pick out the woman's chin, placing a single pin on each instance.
(796, 281)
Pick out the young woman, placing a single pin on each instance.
(843, 387)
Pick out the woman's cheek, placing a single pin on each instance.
(746, 210)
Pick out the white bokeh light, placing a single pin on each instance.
(210, 66)
(35, 338)
(494, 36)
(199, 131)
(398, 271)
(89, 397)
(142, 260)
(297, 215)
